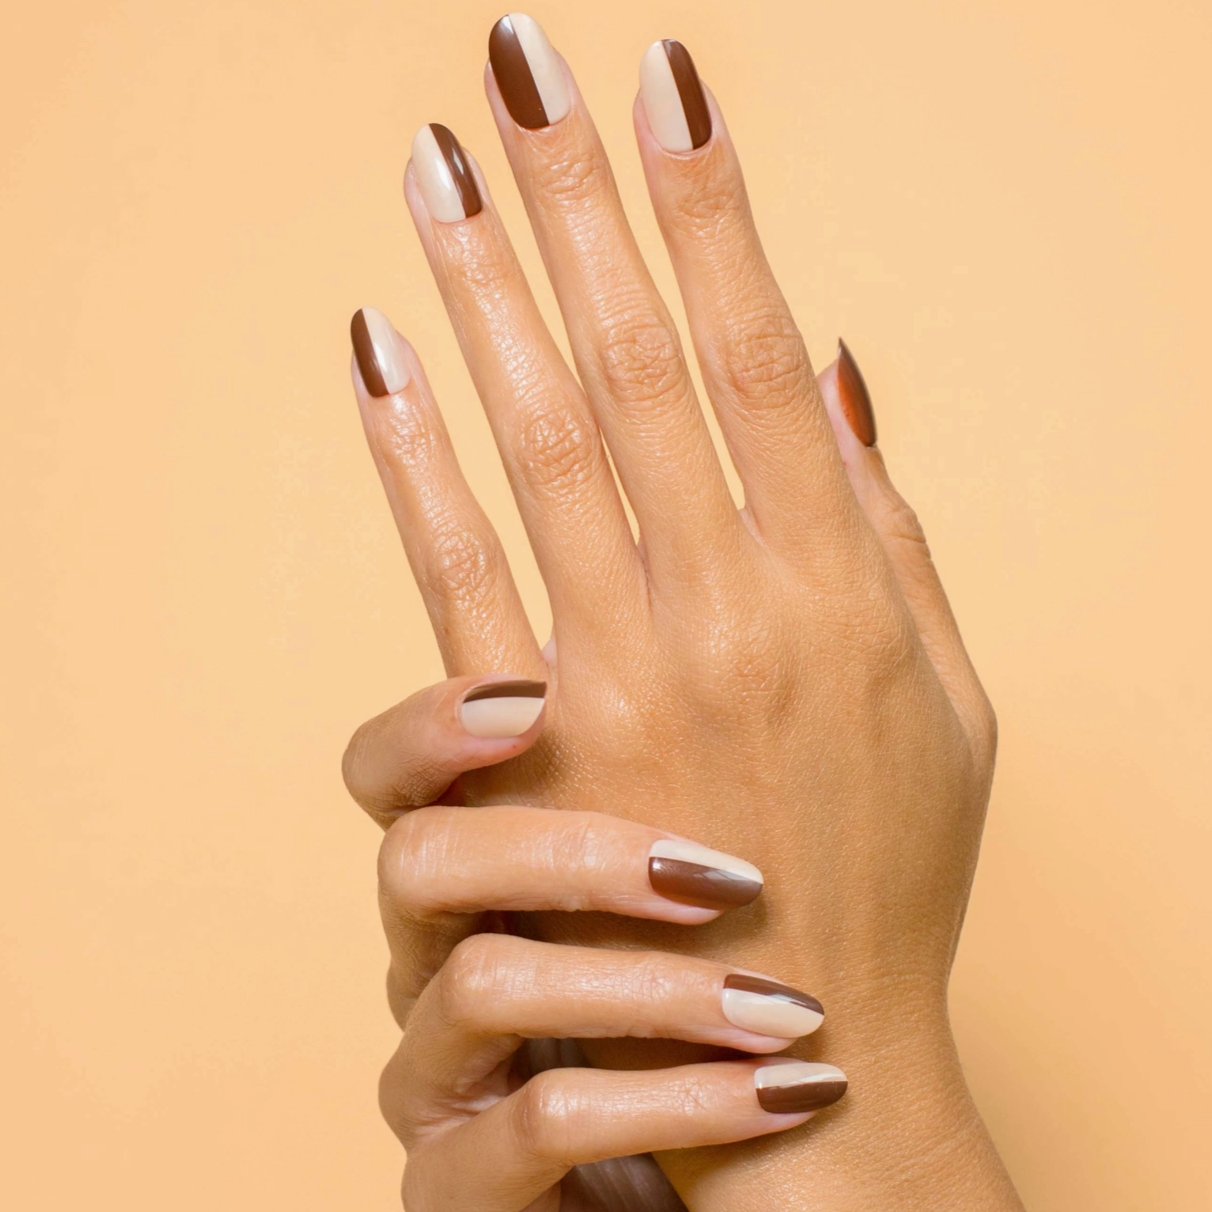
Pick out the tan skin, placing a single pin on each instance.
(785, 683)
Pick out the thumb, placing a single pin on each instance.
(408, 756)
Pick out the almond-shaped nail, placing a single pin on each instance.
(444, 175)
(379, 352)
(695, 875)
(792, 1087)
(528, 72)
(673, 97)
(754, 1003)
(502, 709)
(852, 391)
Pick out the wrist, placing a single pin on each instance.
(907, 1136)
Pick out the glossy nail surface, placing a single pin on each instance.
(852, 391)
(673, 97)
(444, 175)
(502, 709)
(528, 72)
(793, 1087)
(379, 352)
(755, 1003)
(695, 875)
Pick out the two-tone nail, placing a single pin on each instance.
(502, 709)
(379, 351)
(674, 101)
(444, 174)
(528, 72)
(755, 1003)
(854, 397)
(792, 1087)
(691, 874)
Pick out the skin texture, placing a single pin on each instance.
(784, 683)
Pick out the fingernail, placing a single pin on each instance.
(379, 352)
(447, 184)
(793, 1087)
(527, 72)
(502, 709)
(694, 875)
(754, 1003)
(673, 97)
(852, 391)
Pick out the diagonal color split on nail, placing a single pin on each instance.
(794, 1087)
(673, 97)
(528, 72)
(444, 175)
(755, 1003)
(379, 352)
(691, 874)
(502, 709)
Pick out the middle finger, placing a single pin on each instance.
(623, 340)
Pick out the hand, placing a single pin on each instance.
(785, 682)
(488, 1091)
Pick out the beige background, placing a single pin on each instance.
(1004, 208)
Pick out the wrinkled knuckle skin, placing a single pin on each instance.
(571, 178)
(462, 568)
(546, 1118)
(706, 215)
(641, 364)
(472, 979)
(767, 364)
(558, 453)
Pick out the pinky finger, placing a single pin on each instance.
(509, 1155)
(849, 407)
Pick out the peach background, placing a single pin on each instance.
(1005, 210)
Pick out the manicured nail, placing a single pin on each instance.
(527, 71)
(852, 391)
(379, 352)
(502, 709)
(756, 1004)
(792, 1087)
(673, 97)
(447, 184)
(694, 875)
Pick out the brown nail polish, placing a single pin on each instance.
(690, 89)
(451, 151)
(852, 390)
(795, 1087)
(364, 355)
(528, 72)
(691, 874)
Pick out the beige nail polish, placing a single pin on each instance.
(792, 1087)
(444, 175)
(673, 97)
(502, 709)
(755, 1003)
(691, 874)
(379, 352)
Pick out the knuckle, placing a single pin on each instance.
(558, 452)
(641, 363)
(767, 364)
(471, 978)
(571, 177)
(406, 859)
(899, 521)
(706, 214)
(461, 566)
(546, 1114)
